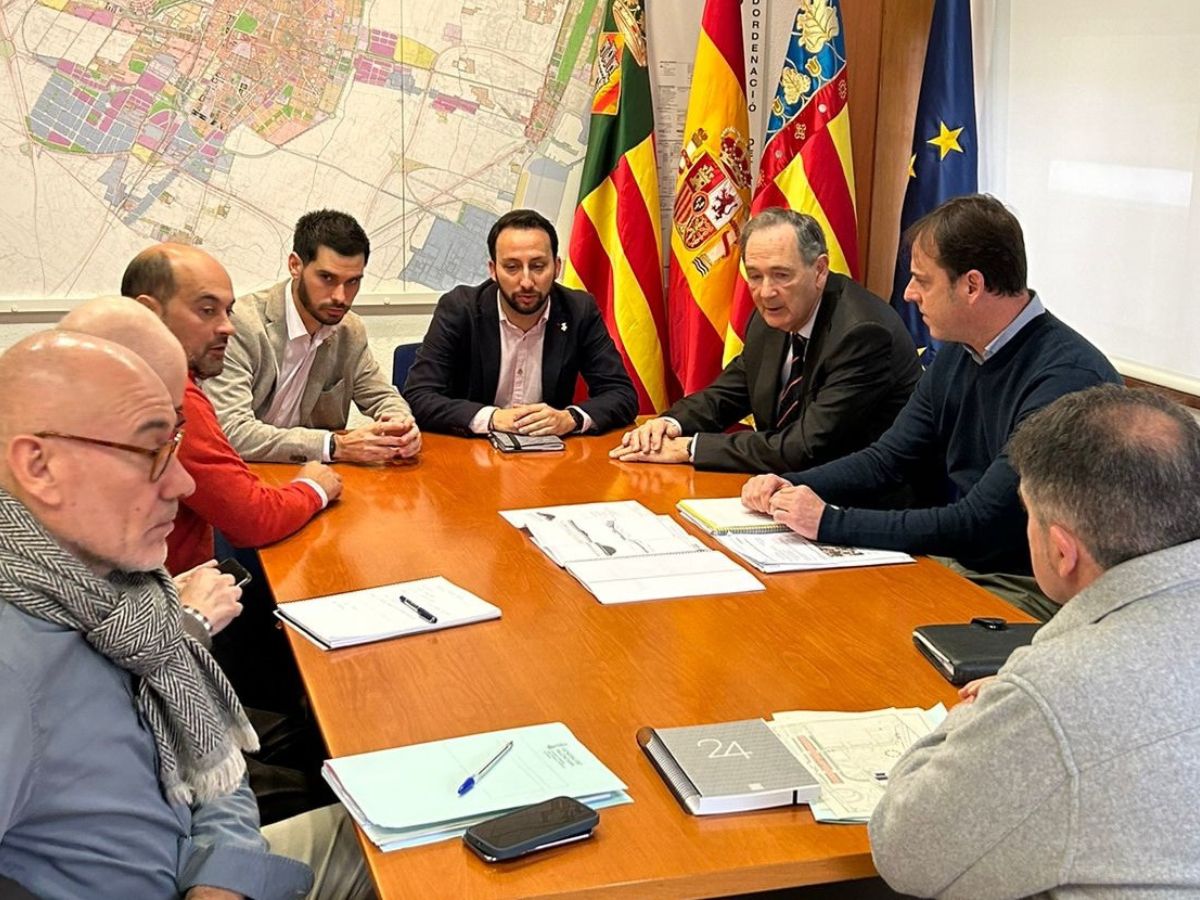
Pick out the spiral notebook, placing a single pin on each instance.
(726, 515)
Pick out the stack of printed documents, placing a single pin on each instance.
(388, 611)
(789, 552)
(771, 547)
(409, 796)
(623, 553)
(851, 754)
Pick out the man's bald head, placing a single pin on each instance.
(153, 272)
(192, 294)
(128, 323)
(69, 399)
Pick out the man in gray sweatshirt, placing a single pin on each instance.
(1075, 772)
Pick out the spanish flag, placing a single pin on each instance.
(712, 199)
(616, 244)
(806, 163)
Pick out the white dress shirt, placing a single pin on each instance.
(292, 377)
(520, 380)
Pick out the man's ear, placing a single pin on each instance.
(1065, 549)
(558, 268)
(30, 464)
(821, 268)
(151, 304)
(492, 270)
(295, 266)
(974, 284)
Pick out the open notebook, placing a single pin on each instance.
(387, 611)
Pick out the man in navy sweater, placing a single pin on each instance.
(1005, 358)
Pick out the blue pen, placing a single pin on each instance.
(472, 780)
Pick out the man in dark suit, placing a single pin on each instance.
(826, 366)
(505, 355)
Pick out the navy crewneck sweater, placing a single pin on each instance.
(958, 421)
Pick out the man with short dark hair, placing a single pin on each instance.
(121, 772)
(826, 366)
(1062, 777)
(299, 356)
(193, 295)
(505, 355)
(1005, 358)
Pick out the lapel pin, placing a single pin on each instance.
(563, 326)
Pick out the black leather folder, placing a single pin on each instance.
(963, 653)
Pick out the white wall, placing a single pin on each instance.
(1090, 131)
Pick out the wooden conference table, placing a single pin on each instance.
(835, 640)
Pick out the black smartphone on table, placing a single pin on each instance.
(551, 823)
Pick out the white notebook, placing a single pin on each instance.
(379, 613)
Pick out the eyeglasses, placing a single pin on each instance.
(160, 455)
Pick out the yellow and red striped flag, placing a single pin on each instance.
(616, 243)
(712, 200)
(806, 163)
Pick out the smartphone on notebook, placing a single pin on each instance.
(551, 823)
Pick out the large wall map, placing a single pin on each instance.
(219, 122)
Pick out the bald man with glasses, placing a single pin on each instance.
(121, 768)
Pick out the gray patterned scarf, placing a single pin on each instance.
(133, 618)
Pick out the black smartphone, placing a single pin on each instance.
(232, 567)
(550, 823)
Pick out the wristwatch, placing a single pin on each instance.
(578, 417)
(332, 445)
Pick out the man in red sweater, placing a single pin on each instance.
(193, 295)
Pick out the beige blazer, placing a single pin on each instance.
(343, 370)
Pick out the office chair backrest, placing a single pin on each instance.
(402, 360)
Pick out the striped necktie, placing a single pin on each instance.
(789, 399)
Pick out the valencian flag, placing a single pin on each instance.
(945, 156)
(806, 163)
(616, 245)
(712, 200)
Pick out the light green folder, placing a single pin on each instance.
(408, 796)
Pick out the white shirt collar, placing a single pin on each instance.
(295, 324)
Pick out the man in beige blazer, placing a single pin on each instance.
(299, 357)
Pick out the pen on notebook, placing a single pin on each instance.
(419, 610)
(473, 780)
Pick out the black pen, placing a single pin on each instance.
(419, 610)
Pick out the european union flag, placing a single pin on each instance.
(945, 151)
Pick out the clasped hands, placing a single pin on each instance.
(795, 506)
(654, 441)
(534, 419)
(392, 437)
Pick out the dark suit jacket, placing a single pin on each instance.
(859, 369)
(457, 368)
